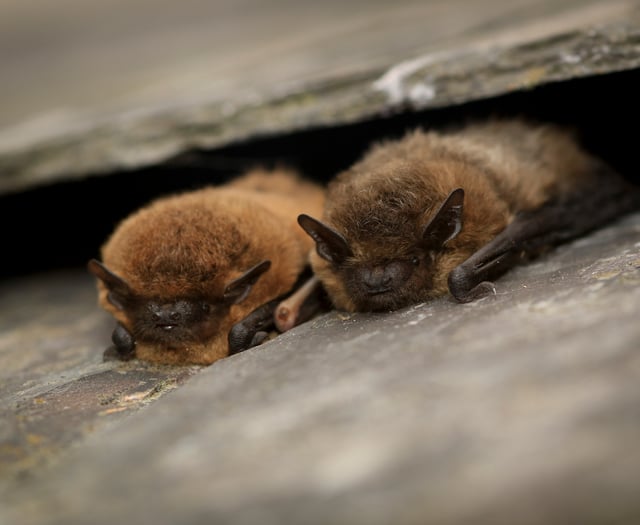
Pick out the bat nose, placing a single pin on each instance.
(166, 316)
(376, 279)
(383, 278)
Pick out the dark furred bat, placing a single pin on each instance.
(191, 276)
(450, 211)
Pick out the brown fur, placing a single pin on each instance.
(191, 245)
(381, 203)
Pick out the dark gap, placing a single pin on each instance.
(63, 225)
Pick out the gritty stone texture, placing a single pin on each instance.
(521, 408)
(311, 70)
(54, 386)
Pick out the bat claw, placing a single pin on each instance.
(122, 339)
(124, 344)
(258, 338)
(242, 338)
(252, 330)
(112, 353)
(479, 291)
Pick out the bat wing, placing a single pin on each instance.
(604, 199)
(281, 314)
(251, 331)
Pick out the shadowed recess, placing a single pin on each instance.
(63, 225)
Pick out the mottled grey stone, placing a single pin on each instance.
(54, 386)
(301, 67)
(520, 408)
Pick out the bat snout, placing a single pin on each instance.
(383, 278)
(375, 284)
(375, 280)
(174, 324)
(169, 316)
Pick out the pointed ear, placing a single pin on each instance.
(238, 289)
(330, 245)
(119, 290)
(446, 223)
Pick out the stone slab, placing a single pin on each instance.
(520, 408)
(55, 388)
(113, 92)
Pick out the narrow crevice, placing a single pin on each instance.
(62, 225)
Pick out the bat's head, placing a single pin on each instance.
(171, 322)
(383, 273)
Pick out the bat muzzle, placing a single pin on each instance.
(167, 317)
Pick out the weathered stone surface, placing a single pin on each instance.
(54, 386)
(302, 67)
(520, 408)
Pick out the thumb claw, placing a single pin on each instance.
(479, 291)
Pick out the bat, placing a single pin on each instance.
(438, 212)
(195, 276)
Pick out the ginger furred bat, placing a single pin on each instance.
(437, 212)
(192, 276)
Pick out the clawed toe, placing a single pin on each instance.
(479, 291)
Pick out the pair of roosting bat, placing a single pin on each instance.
(194, 277)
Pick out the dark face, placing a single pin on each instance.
(176, 323)
(379, 267)
(388, 285)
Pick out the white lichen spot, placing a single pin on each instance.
(393, 81)
(422, 94)
(570, 58)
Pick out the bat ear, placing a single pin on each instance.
(446, 223)
(330, 245)
(119, 290)
(238, 289)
